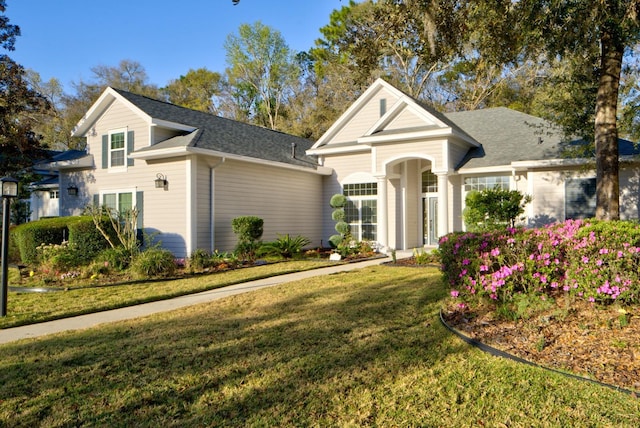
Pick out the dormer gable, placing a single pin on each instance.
(385, 114)
(106, 100)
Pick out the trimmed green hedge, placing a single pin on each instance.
(79, 231)
(87, 239)
(30, 236)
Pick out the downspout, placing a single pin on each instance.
(212, 204)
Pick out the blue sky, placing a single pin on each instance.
(65, 39)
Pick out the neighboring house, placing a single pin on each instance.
(211, 170)
(45, 193)
(405, 169)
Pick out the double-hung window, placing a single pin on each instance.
(119, 201)
(118, 148)
(361, 210)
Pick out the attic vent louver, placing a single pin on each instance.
(383, 106)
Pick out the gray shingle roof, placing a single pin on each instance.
(510, 136)
(507, 136)
(224, 135)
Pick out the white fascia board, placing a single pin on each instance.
(406, 136)
(172, 125)
(550, 163)
(80, 163)
(108, 96)
(184, 151)
(353, 109)
(329, 150)
(486, 170)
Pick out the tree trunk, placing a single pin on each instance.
(606, 131)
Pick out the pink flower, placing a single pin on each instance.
(495, 252)
(455, 293)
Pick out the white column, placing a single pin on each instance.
(383, 217)
(443, 204)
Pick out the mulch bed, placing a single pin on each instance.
(594, 341)
(597, 342)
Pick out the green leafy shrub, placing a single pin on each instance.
(199, 260)
(249, 230)
(87, 239)
(117, 258)
(597, 261)
(154, 263)
(338, 214)
(338, 202)
(57, 258)
(422, 257)
(493, 209)
(14, 251)
(335, 240)
(286, 246)
(29, 236)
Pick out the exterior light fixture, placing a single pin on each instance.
(9, 187)
(161, 181)
(9, 191)
(72, 190)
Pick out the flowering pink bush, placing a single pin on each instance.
(594, 260)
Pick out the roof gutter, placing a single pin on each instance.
(183, 151)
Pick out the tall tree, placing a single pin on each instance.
(20, 106)
(564, 28)
(196, 90)
(262, 70)
(129, 75)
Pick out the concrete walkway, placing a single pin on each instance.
(91, 320)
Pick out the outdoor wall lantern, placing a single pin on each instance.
(161, 181)
(9, 191)
(72, 190)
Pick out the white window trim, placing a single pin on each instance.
(118, 192)
(119, 168)
(357, 200)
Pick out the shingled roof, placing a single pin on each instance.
(223, 135)
(510, 136)
(507, 136)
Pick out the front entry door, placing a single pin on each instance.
(430, 216)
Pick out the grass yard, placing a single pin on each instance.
(29, 308)
(363, 348)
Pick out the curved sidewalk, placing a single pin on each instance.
(91, 320)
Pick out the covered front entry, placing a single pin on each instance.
(415, 198)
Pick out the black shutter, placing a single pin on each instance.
(105, 151)
(130, 147)
(140, 220)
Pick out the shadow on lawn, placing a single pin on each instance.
(289, 353)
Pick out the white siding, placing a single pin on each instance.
(430, 149)
(287, 200)
(364, 119)
(343, 166)
(162, 134)
(629, 192)
(548, 197)
(407, 119)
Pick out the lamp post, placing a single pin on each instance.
(9, 190)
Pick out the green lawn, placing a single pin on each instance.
(363, 348)
(29, 308)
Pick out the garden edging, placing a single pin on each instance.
(498, 353)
